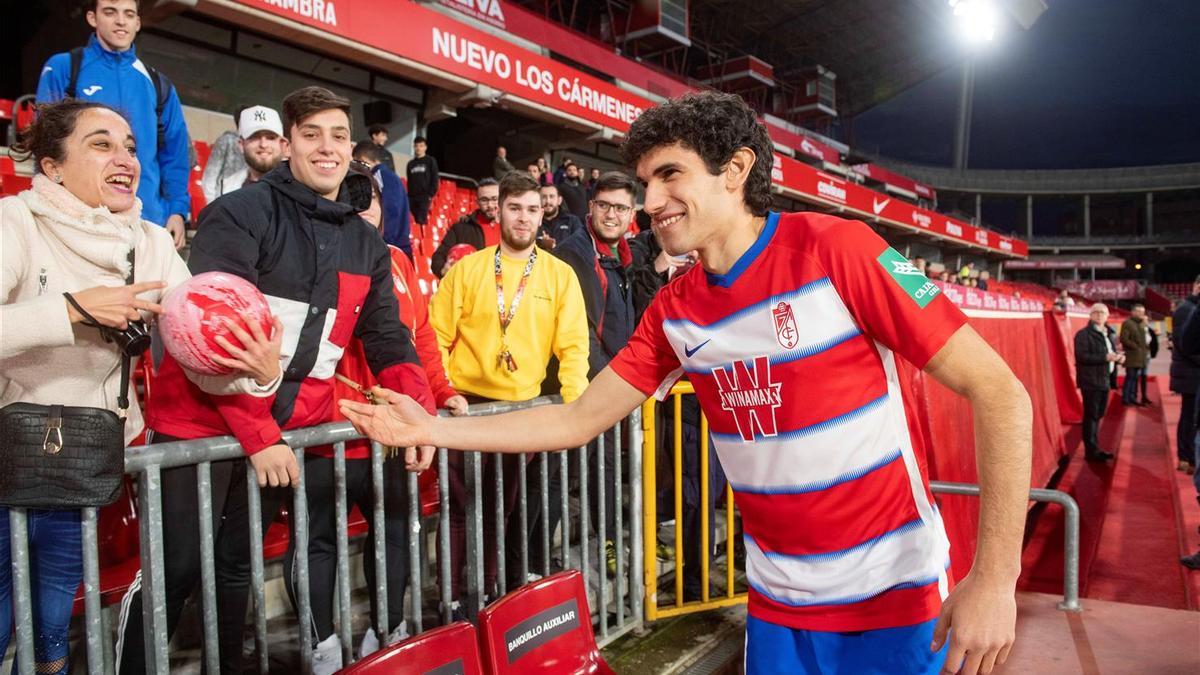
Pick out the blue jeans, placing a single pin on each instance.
(1130, 390)
(55, 570)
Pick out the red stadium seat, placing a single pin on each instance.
(542, 627)
(450, 649)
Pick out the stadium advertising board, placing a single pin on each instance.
(440, 42)
(974, 300)
(809, 183)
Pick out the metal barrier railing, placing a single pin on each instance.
(624, 599)
(1070, 602)
(650, 514)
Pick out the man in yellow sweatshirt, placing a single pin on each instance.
(500, 314)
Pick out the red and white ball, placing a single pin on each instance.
(195, 312)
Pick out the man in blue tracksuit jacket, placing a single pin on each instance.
(110, 72)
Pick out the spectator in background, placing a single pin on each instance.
(1095, 360)
(593, 178)
(1137, 352)
(602, 258)
(477, 229)
(561, 171)
(422, 171)
(544, 177)
(944, 276)
(396, 227)
(354, 367)
(919, 263)
(1187, 342)
(1185, 381)
(982, 281)
(260, 145)
(574, 193)
(1152, 351)
(225, 160)
(379, 136)
(108, 71)
(500, 353)
(534, 173)
(501, 165)
(557, 224)
(966, 272)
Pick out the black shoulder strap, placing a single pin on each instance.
(126, 361)
(162, 91)
(73, 77)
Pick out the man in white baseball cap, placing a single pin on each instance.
(262, 141)
(242, 157)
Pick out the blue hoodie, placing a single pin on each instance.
(396, 225)
(120, 80)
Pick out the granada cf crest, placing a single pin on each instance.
(785, 325)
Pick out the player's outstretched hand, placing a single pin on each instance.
(981, 620)
(397, 421)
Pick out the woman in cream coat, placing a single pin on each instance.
(72, 232)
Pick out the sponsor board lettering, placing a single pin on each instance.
(953, 228)
(831, 190)
(488, 11)
(324, 11)
(922, 219)
(541, 628)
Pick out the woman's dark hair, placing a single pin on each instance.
(54, 123)
(714, 125)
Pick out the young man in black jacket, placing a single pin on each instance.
(422, 172)
(327, 276)
(479, 229)
(1095, 359)
(557, 222)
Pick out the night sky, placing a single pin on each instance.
(1094, 83)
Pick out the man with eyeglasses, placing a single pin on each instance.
(601, 257)
(478, 229)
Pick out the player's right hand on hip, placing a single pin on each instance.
(276, 466)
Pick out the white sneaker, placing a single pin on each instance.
(369, 644)
(370, 641)
(398, 634)
(327, 656)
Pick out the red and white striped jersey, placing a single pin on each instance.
(793, 357)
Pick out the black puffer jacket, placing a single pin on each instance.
(326, 275)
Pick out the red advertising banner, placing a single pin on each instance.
(810, 183)
(972, 298)
(885, 176)
(438, 41)
(1111, 289)
(1105, 263)
(803, 144)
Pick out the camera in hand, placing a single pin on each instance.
(133, 341)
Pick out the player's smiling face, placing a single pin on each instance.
(687, 205)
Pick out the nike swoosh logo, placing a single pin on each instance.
(692, 352)
(877, 206)
(92, 89)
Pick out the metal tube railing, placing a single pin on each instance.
(1070, 602)
(149, 462)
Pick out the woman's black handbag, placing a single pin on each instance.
(66, 457)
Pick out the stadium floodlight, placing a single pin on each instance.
(976, 20)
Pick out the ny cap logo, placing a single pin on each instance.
(260, 116)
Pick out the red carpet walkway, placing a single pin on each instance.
(1130, 515)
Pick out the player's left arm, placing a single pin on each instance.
(980, 614)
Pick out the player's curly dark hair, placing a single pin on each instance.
(714, 125)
